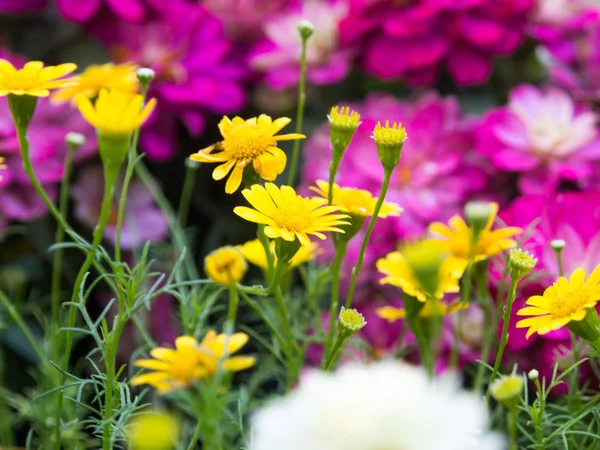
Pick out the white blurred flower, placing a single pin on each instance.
(388, 405)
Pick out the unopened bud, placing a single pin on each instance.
(477, 214)
(533, 374)
(75, 140)
(389, 141)
(507, 390)
(520, 263)
(145, 75)
(558, 244)
(350, 321)
(306, 29)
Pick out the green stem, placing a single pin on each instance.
(512, 428)
(131, 157)
(194, 440)
(233, 306)
(299, 112)
(264, 240)
(504, 338)
(539, 418)
(488, 323)
(333, 167)
(59, 238)
(186, 193)
(334, 353)
(361, 255)
(423, 344)
(340, 251)
(290, 344)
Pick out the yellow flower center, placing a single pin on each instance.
(569, 302)
(247, 142)
(295, 217)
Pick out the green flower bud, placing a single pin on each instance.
(389, 141)
(520, 263)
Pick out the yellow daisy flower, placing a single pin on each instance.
(287, 215)
(34, 79)
(115, 112)
(432, 308)
(563, 302)
(457, 236)
(118, 77)
(225, 265)
(254, 252)
(153, 430)
(399, 273)
(244, 142)
(190, 361)
(355, 201)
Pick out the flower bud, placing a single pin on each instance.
(520, 263)
(350, 321)
(343, 122)
(226, 265)
(507, 390)
(477, 214)
(424, 259)
(558, 244)
(145, 75)
(389, 141)
(306, 29)
(75, 140)
(533, 374)
(153, 431)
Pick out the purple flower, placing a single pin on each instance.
(143, 220)
(543, 135)
(414, 40)
(21, 6)
(196, 72)
(278, 55)
(47, 130)
(134, 11)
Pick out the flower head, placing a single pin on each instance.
(567, 300)
(190, 361)
(254, 252)
(432, 308)
(116, 77)
(399, 273)
(359, 407)
(153, 431)
(508, 389)
(343, 122)
(350, 321)
(520, 263)
(456, 238)
(244, 142)
(389, 141)
(34, 79)
(288, 215)
(226, 265)
(115, 112)
(356, 202)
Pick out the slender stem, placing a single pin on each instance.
(60, 236)
(299, 112)
(361, 255)
(186, 193)
(233, 306)
(290, 344)
(131, 157)
(333, 167)
(334, 353)
(512, 428)
(423, 344)
(194, 440)
(540, 415)
(561, 272)
(264, 240)
(340, 251)
(504, 338)
(488, 323)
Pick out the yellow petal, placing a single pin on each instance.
(238, 363)
(86, 109)
(251, 215)
(234, 180)
(222, 170)
(185, 342)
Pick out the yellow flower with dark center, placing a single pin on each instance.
(254, 252)
(34, 79)
(456, 238)
(432, 308)
(153, 431)
(399, 273)
(190, 361)
(244, 142)
(289, 216)
(2, 165)
(564, 302)
(355, 201)
(115, 112)
(118, 77)
(226, 265)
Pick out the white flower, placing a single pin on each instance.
(384, 406)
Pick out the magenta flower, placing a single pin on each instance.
(574, 218)
(196, 72)
(278, 55)
(134, 11)
(543, 135)
(21, 6)
(47, 130)
(414, 40)
(143, 220)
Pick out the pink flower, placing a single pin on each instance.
(21, 6)
(134, 11)
(414, 40)
(543, 135)
(574, 218)
(143, 220)
(50, 124)
(278, 55)
(196, 72)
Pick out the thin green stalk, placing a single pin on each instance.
(264, 240)
(361, 255)
(540, 415)
(504, 338)
(333, 167)
(488, 324)
(59, 238)
(334, 353)
(290, 343)
(131, 157)
(512, 428)
(186, 192)
(194, 440)
(233, 306)
(299, 112)
(340, 251)
(423, 344)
